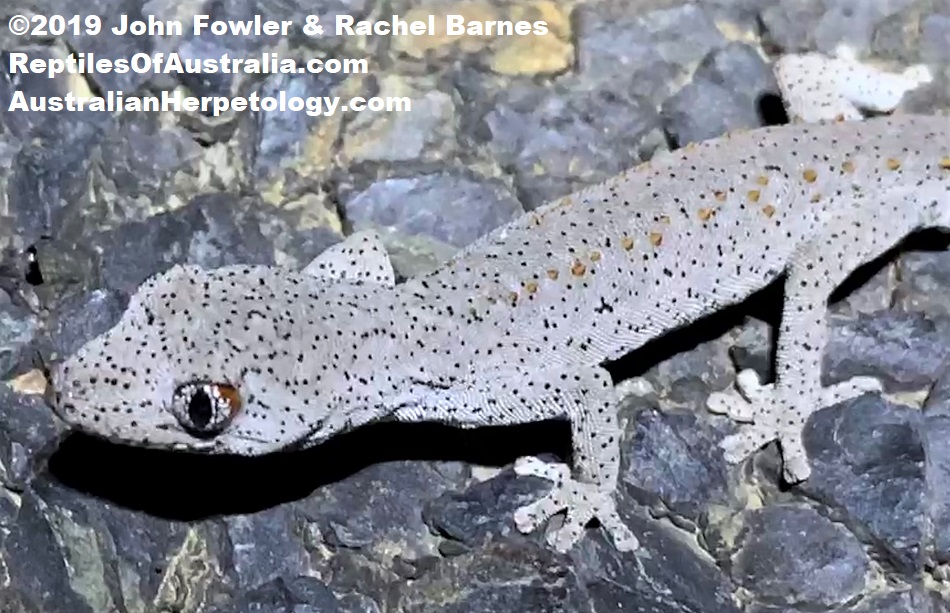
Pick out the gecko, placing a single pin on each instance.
(518, 326)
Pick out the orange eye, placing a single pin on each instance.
(205, 409)
(230, 395)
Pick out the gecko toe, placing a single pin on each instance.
(732, 405)
(583, 502)
(749, 439)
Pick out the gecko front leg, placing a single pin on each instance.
(841, 243)
(509, 395)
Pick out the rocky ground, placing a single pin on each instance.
(418, 518)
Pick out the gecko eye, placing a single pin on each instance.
(205, 409)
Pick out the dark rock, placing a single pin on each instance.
(35, 562)
(935, 432)
(578, 137)
(17, 329)
(379, 504)
(905, 350)
(501, 577)
(867, 460)
(674, 576)
(790, 555)
(283, 555)
(724, 95)
(211, 231)
(484, 512)
(81, 318)
(29, 433)
(676, 457)
(300, 595)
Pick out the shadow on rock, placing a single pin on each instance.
(184, 486)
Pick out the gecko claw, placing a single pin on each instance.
(582, 502)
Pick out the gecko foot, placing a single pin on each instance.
(764, 414)
(583, 502)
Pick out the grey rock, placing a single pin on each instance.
(379, 504)
(791, 555)
(800, 25)
(17, 329)
(46, 123)
(935, 432)
(675, 457)
(618, 40)
(29, 433)
(887, 602)
(578, 137)
(211, 231)
(299, 595)
(905, 350)
(925, 281)
(702, 109)
(49, 174)
(141, 164)
(687, 375)
(500, 578)
(484, 511)
(675, 576)
(36, 566)
(107, 45)
(426, 133)
(449, 207)
(81, 318)
(724, 95)
(935, 38)
(279, 137)
(265, 546)
(868, 462)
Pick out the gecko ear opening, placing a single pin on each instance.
(205, 409)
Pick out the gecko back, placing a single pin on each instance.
(598, 273)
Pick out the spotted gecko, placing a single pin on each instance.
(517, 327)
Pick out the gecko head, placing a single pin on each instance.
(186, 367)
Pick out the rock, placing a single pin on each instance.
(868, 462)
(300, 595)
(29, 433)
(675, 457)
(598, 133)
(791, 554)
(449, 207)
(211, 231)
(934, 433)
(425, 133)
(724, 95)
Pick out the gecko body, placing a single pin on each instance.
(516, 328)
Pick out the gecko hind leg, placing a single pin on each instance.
(780, 411)
(589, 491)
(582, 501)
